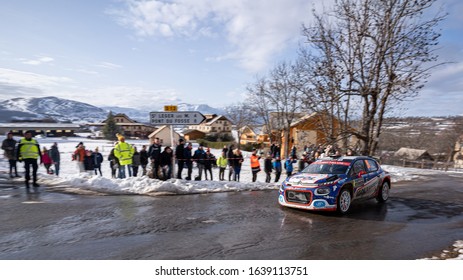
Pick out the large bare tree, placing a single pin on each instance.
(382, 51)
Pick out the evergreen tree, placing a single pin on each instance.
(111, 128)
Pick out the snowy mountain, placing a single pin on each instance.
(65, 110)
(58, 109)
(203, 108)
(142, 115)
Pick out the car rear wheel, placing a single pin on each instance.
(344, 201)
(383, 193)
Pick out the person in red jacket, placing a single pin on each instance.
(46, 160)
(79, 155)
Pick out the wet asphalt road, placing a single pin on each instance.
(420, 220)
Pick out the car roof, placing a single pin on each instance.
(344, 158)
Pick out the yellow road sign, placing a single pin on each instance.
(170, 108)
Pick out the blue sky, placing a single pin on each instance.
(143, 54)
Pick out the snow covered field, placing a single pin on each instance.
(71, 181)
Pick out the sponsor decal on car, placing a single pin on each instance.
(319, 204)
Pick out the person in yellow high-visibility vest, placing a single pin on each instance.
(29, 151)
(123, 151)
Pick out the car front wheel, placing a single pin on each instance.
(383, 193)
(344, 201)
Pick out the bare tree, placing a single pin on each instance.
(241, 115)
(277, 100)
(320, 76)
(383, 51)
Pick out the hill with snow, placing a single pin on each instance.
(65, 110)
(52, 108)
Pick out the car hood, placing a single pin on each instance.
(306, 178)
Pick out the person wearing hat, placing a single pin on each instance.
(180, 157)
(29, 151)
(8, 145)
(123, 151)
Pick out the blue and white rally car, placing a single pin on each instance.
(332, 184)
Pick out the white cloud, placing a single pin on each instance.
(32, 80)
(256, 30)
(40, 60)
(109, 65)
(126, 96)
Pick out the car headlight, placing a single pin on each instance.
(329, 183)
(322, 191)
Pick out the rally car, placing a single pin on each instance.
(332, 184)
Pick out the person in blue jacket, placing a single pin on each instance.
(289, 166)
(277, 167)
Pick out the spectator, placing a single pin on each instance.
(278, 168)
(289, 166)
(113, 162)
(237, 162)
(143, 159)
(166, 163)
(154, 153)
(78, 156)
(29, 151)
(46, 160)
(268, 167)
(209, 160)
(55, 157)
(231, 160)
(97, 160)
(89, 162)
(255, 165)
(9, 145)
(199, 157)
(188, 160)
(222, 163)
(135, 161)
(180, 157)
(123, 152)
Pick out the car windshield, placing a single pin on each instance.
(326, 168)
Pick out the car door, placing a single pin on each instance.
(358, 175)
(372, 178)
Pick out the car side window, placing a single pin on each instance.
(371, 165)
(358, 167)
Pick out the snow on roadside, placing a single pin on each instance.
(455, 253)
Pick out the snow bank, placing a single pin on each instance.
(146, 186)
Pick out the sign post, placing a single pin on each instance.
(172, 117)
(176, 118)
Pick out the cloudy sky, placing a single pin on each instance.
(148, 53)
